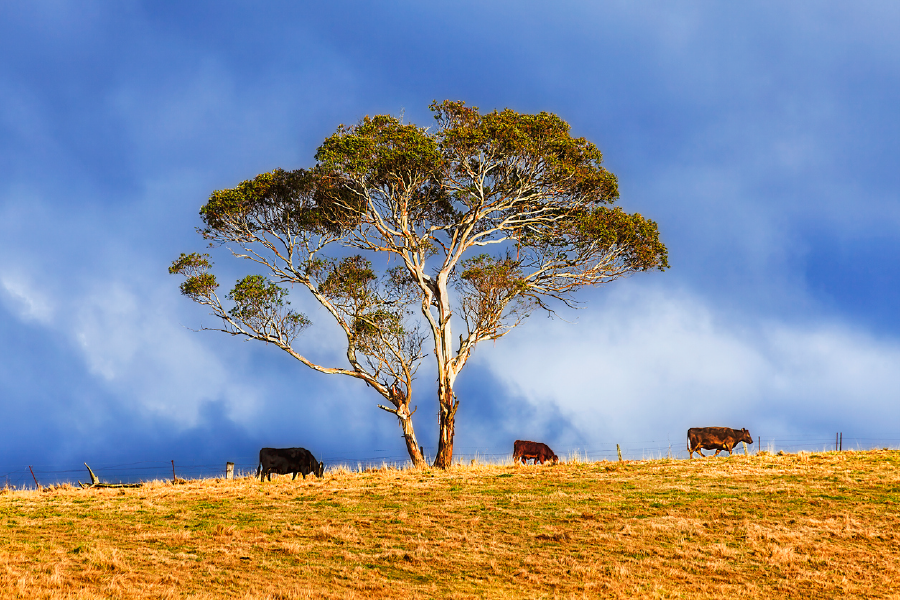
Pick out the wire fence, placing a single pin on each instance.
(32, 476)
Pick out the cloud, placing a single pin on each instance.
(24, 299)
(135, 350)
(650, 361)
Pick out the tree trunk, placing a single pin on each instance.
(400, 400)
(446, 375)
(412, 445)
(444, 457)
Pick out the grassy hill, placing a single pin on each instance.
(817, 525)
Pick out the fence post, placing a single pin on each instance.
(229, 470)
(36, 484)
(841, 443)
(746, 452)
(758, 442)
(619, 450)
(173, 471)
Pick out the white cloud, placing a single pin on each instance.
(653, 362)
(25, 300)
(134, 343)
(135, 348)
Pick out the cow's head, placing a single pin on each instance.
(320, 470)
(746, 436)
(554, 460)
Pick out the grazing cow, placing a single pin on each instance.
(715, 438)
(282, 461)
(539, 452)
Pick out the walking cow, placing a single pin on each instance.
(282, 461)
(715, 438)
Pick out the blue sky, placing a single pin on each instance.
(762, 137)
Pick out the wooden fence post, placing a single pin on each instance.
(746, 452)
(619, 450)
(36, 484)
(229, 470)
(173, 471)
(841, 443)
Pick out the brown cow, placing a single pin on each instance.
(715, 438)
(539, 452)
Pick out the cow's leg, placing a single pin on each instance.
(294, 476)
(700, 452)
(717, 452)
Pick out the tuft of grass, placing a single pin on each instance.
(789, 525)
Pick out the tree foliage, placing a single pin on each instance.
(489, 217)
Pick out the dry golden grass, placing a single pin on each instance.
(809, 525)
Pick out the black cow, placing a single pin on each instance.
(523, 450)
(282, 461)
(715, 438)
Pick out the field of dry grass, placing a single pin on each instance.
(819, 525)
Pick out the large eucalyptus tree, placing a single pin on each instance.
(487, 218)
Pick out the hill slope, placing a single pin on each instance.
(819, 525)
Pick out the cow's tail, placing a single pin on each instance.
(258, 469)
